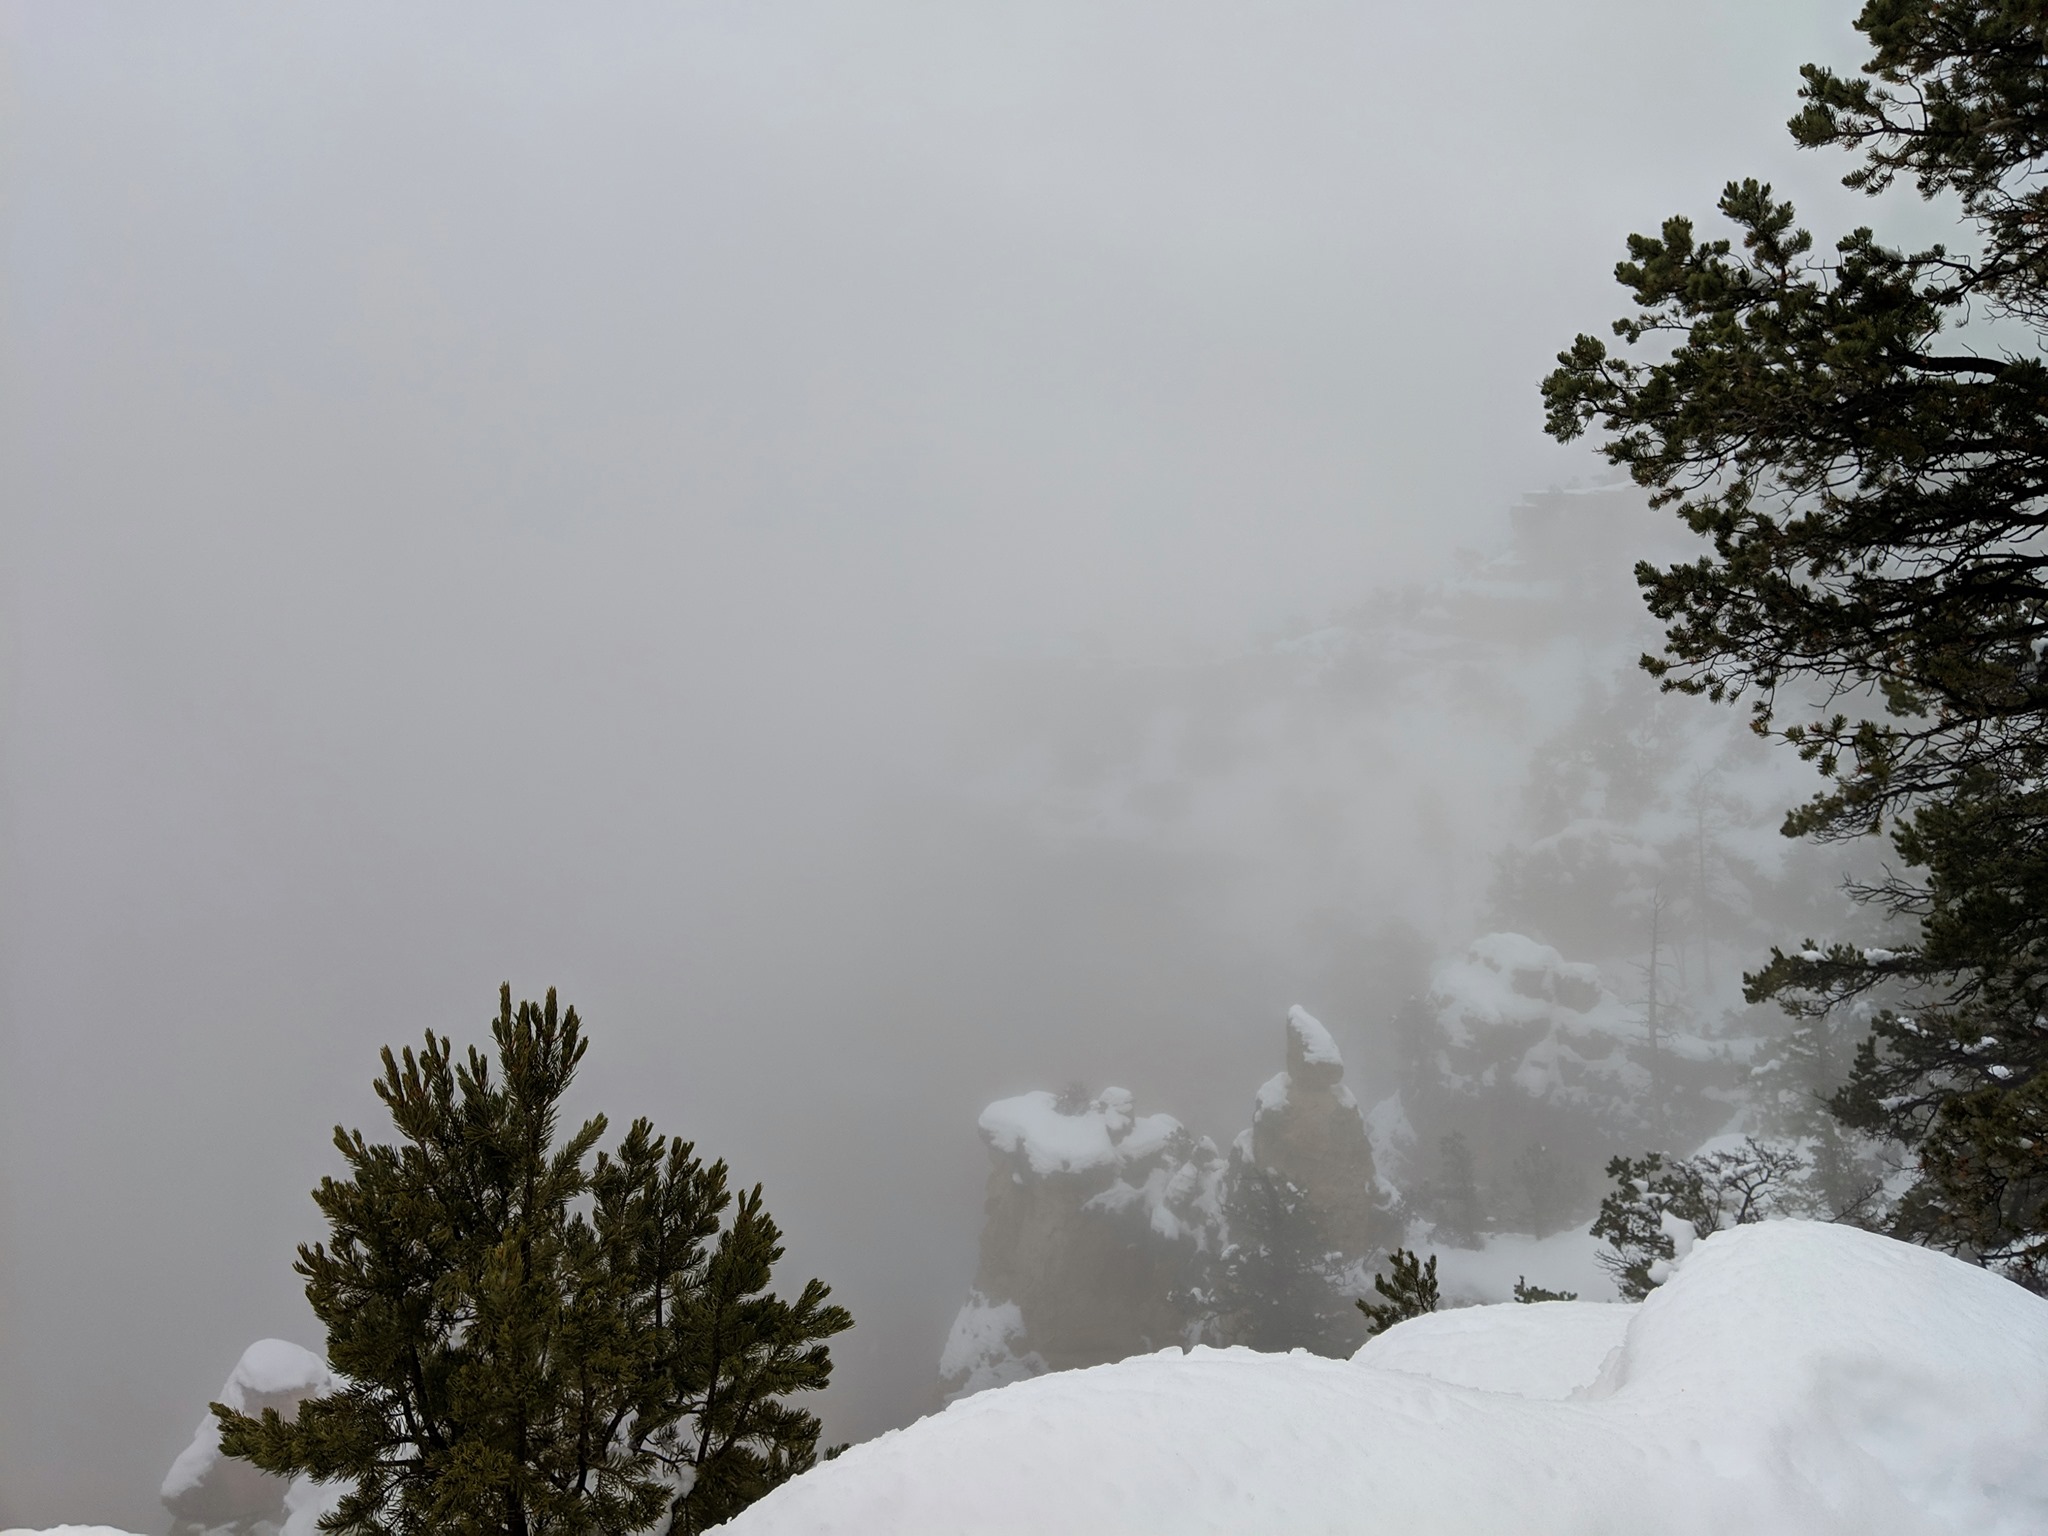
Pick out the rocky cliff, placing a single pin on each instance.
(1109, 1233)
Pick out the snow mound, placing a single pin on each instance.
(1550, 1349)
(1791, 1379)
(66, 1530)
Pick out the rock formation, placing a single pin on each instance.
(1107, 1231)
(1098, 1219)
(1307, 1128)
(210, 1495)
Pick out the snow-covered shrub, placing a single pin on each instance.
(1658, 1210)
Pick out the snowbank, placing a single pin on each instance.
(1550, 1349)
(1791, 1379)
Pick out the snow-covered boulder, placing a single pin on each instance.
(206, 1491)
(1791, 1379)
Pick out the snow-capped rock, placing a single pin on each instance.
(1097, 1216)
(1307, 1128)
(206, 1491)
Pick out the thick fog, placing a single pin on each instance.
(692, 505)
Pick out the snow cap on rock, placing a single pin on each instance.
(207, 1490)
(1312, 1055)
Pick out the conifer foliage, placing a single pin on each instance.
(1529, 1294)
(534, 1341)
(1276, 1285)
(1654, 1203)
(1870, 490)
(1410, 1292)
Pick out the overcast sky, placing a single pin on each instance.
(503, 493)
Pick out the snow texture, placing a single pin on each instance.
(1272, 1095)
(981, 1351)
(1563, 1261)
(1054, 1142)
(267, 1367)
(1316, 1042)
(1546, 1350)
(1792, 1379)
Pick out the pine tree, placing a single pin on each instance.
(1654, 1203)
(1632, 1220)
(1546, 1188)
(1797, 1078)
(1410, 1292)
(534, 1343)
(1871, 501)
(1274, 1286)
(1460, 1217)
(1529, 1294)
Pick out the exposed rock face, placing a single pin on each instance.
(207, 1492)
(1105, 1227)
(1097, 1219)
(1307, 1128)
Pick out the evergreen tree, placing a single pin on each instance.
(1275, 1284)
(1546, 1188)
(1411, 1291)
(1654, 1203)
(1460, 1217)
(534, 1343)
(1632, 1220)
(1528, 1294)
(1797, 1078)
(1872, 503)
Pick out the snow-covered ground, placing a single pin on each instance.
(1792, 1379)
(1563, 1261)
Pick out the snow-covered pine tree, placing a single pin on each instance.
(1658, 1209)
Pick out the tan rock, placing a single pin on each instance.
(1307, 1127)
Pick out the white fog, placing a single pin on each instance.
(899, 556)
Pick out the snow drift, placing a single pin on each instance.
(1790, 1378)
